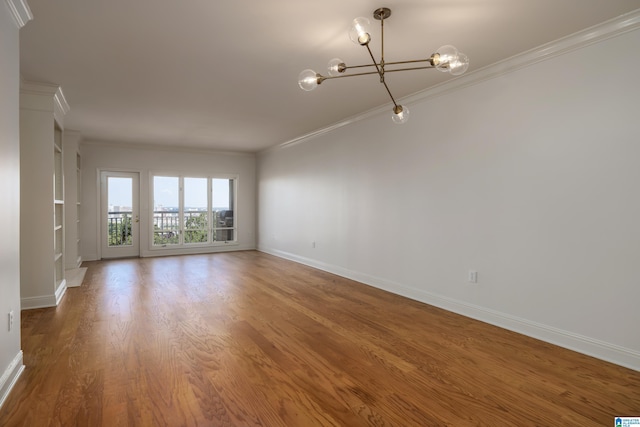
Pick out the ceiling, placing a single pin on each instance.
(223, 74)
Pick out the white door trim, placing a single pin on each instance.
(124, 251)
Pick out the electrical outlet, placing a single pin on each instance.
(473, 276)
(10, 320)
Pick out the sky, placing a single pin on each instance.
(166, 192)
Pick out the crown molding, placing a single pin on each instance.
(592, 35)
(49, 91)
(61, 107)
(20, 12)
(595, 34)
(88, 142)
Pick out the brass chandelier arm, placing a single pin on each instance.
(413, 61)
(395, 104)
(430, 67)
(380, 69)
(381, 16)
(370, 73)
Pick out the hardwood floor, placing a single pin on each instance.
(247, 339)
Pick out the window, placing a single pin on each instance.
(193, 211)
(223, 198)
(166, 210)
(196, 212)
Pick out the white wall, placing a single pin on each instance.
(120, 157)
(530, 177)
(10, 353)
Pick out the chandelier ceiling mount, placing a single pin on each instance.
(382, 13)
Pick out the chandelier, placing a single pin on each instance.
(446, 59)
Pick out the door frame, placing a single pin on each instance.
(134, 250)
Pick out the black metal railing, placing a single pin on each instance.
(119, 228)
(167, 227)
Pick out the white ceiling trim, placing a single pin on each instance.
(60, 105)
(608, 29)
(158, 147)
(20, 11)
(612, 28)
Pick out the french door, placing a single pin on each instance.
(120, 215)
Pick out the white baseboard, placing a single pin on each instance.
(90, 257)
(61, 291)
(232, 247)
(27, 303)
(10, 376)
(44, 301)
(150, 253)
(582, 344)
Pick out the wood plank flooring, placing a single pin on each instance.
(247, 339)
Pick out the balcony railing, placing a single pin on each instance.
(167, 228)
(119, 228)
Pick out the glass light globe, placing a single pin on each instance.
(460, 65)
(400, 115)
(359, 31)
(336, 67)
(308, 80)
(447, 55)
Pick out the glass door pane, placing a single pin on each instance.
(120, 209)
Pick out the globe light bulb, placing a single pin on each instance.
(336, 67)
(460, 65)
(446, 55)
(308, 80)
(359, 31)
(400, 115)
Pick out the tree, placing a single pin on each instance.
(120, 230)
(196, 227)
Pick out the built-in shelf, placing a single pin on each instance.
(72, 200)
(58, 209)
(78, 205)
(42, 211)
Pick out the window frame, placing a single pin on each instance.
(211, 227)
